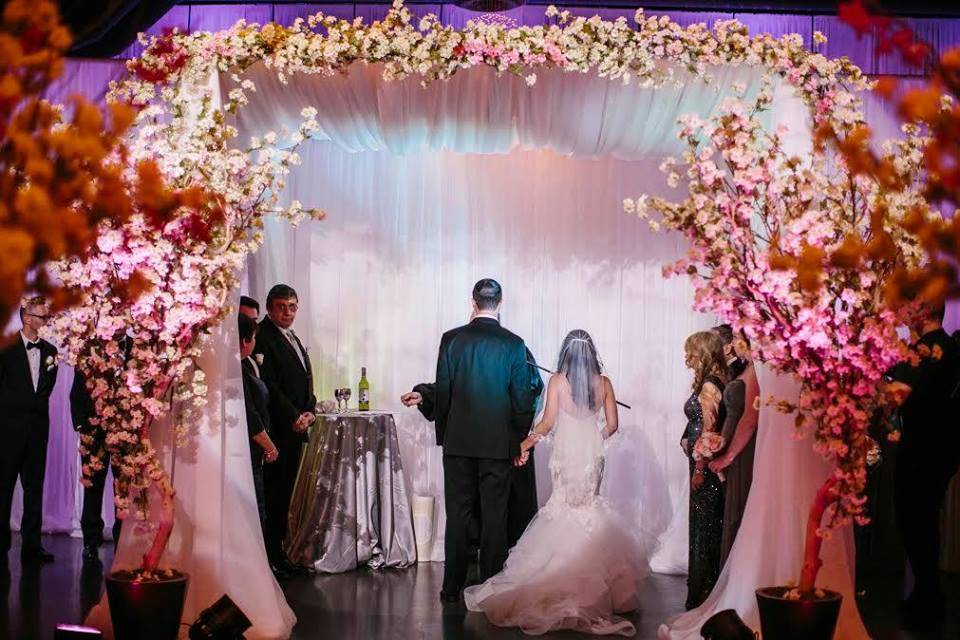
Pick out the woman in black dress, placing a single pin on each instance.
(256, 399)
(704, 411)
(740, 437)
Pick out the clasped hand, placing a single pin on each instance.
(521, 459)
(719, 464)
(305, 420)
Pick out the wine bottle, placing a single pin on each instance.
(363, 395)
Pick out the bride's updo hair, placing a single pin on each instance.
(581, 365)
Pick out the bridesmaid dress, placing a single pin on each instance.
(706, 510)
(739, 475)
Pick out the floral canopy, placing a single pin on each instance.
(752, 209)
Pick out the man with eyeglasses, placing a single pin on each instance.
(28, 372)
(286, 371)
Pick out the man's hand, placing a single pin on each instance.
(271, 455)
(411, 399)
(305, 420)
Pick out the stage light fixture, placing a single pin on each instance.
(76, 632)
(726, 625)
(222, 620)
(489, 6)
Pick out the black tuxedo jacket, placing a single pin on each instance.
(256, 397)
(428, 391)
(82, 407)
(289, 383)
(20, 406)
(484, 400)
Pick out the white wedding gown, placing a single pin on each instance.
(578, 564)
(768, 550)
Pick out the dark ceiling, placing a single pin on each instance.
(104, 28)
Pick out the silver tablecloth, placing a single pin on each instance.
(350, 505)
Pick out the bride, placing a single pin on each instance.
(577, 565)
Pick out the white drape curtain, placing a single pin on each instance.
(428, 190)
(477, 112)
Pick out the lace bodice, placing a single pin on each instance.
(576, 464)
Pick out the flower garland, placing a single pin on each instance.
(181, 126)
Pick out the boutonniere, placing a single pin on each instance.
(51, 362)
(258, 358)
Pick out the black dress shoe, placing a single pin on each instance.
(39, 554)
(91, 553)
(449, 598)
(293, 569)
(278, 572)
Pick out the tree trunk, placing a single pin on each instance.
(826, 496)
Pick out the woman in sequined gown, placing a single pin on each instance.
(704, 412)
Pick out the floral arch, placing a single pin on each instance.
(188, 270)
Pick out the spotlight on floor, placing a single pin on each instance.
(76, 632)
(726, 625)
(222, 620)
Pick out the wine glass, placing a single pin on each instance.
(338, 395)
(346, 398)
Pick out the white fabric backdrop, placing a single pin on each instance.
(415, 218)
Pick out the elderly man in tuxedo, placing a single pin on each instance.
(286, 371)
(28, 371)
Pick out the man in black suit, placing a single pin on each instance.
(91, 518)
(286, 371)
(82, 409)
(482, 414)
(928, 456)
(523, 486)
(28, 371)
(250, 308)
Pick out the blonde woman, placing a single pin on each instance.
(704, 411)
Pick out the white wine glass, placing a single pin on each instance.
(346, 398)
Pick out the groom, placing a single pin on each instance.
(482, 413)
(523, 486)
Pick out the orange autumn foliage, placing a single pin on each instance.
(935, 108)
(60, 177)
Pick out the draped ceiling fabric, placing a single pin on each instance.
(410, 230)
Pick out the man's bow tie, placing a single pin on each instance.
(33, 345)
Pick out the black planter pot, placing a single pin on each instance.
(148, 610)
(804, 619)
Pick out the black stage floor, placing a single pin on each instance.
(366, 605)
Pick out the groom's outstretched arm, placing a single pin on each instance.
(428, 399)
(443, 390)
